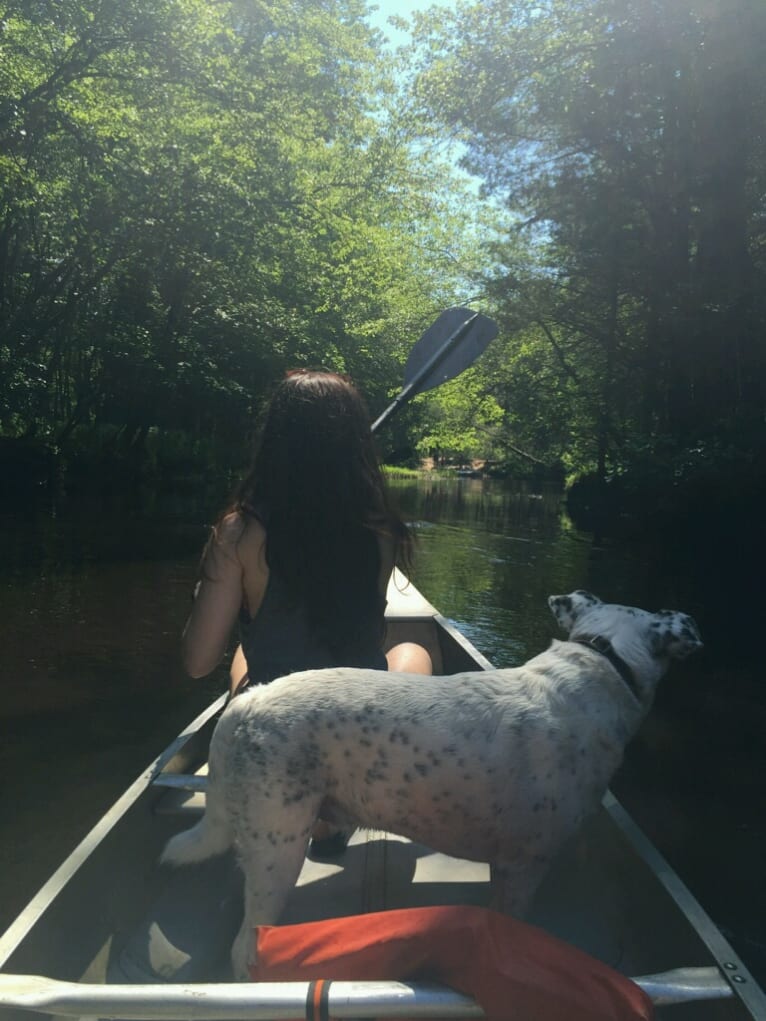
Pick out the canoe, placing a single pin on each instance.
(113, 934)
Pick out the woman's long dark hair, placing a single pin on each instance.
(316, 485)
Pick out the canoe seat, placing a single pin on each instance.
(380, 871)
(188, 804)
(187, 934)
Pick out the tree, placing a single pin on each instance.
(624, 136)
(194, 197)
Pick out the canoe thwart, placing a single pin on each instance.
(181, 781)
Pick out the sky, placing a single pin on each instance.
(402, 8)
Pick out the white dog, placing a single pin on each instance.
(499, 766)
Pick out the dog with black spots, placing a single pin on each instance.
(498, 766)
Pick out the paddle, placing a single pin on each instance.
(446, 349)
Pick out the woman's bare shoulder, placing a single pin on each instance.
(238, 529)
(245, 537)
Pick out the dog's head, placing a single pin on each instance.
(668, 634)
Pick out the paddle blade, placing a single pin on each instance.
(447, 348)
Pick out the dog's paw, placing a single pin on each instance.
(566, 609)
(243, 954)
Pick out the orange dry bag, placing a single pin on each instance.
(514, 971)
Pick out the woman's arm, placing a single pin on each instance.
(217, 600)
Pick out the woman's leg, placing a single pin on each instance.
(409, 658)
(238, 679)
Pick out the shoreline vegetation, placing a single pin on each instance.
(655, 498)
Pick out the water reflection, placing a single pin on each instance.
(490, 554)
(490, 506)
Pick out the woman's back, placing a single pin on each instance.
(280, 640)
(317, 489)
(309, 542)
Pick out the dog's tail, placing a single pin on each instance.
(211, 835)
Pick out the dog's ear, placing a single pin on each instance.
(674, 634)
(566, 609)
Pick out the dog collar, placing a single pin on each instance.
(604, 646)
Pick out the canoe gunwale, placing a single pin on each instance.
(269, 1001)
(731, 967)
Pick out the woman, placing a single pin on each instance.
(303, 557)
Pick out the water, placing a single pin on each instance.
(93, 599)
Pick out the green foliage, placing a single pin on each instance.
(463, 421)
(392, 471)
(193, 198)
(626, 139)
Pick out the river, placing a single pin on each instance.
(93, 595)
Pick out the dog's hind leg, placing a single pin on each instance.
(514, 883)
(271, 859)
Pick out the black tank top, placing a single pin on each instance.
(279, 641)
